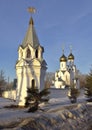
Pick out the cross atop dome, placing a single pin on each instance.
(63, 48)
(70, 48)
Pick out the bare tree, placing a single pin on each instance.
(88, 87)
(82, 79)
(2, 82)
(48, 79)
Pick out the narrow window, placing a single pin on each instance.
(28, 53)
(36, 54)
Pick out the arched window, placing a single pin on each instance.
(36, 53)
(28, 53)
(33, 83)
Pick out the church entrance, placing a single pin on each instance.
(33, 83)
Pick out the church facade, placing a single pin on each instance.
(67, 74)
(30, 66)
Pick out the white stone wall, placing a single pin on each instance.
(63, 66)
(11, 94)
(58, 84)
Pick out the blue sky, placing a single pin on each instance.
(57, 23)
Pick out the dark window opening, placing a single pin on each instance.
(28, 53)
(36, 53)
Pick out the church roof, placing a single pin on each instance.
(31, 37)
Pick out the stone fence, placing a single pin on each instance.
(11, 94)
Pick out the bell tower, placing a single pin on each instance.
(31, 66)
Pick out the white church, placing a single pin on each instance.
(31, 66)
(67, 75)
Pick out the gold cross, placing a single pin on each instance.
(31, 10)
(71, 48)
(63, 48)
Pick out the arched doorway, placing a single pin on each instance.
(33, 83)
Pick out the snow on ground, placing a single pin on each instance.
(8, 115)
(58, 98)
(58, 114)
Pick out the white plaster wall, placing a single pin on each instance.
(62, 65)
(26, 72)
(67, 78)
(20, 53)
(58, 84)
(22, 87)
(10, 94)
(23, 93)
(25, 75)
(19, 73)
(64, 76)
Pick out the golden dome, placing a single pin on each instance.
(71, 56)
(63, 58)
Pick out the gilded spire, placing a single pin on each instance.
(31, 36)
(31, 21)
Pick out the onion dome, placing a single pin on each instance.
(63, 58)
(71, 56)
